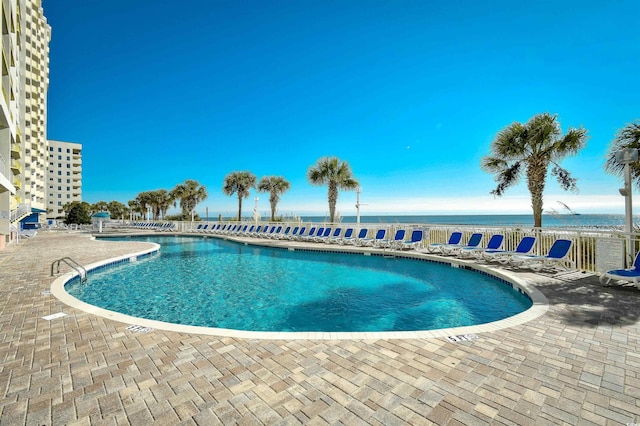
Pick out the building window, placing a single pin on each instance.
(59, 180)
(59, 188)
(68, 150)
(59, 149)
(59, 195)
(68, 173)
(59, 157)
(59, 172)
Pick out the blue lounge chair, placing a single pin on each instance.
(336, 233)
(372, 241)
(631, 275)
(524, 247)
(557, 257)
(452, 249)
(454, 238)
(302, 236)
(397, 240)
(495, 242)
(284, 234)
(341, 239)
(324, 236)
(362, 234)
(312, 235)
(297, 232)
(416, 239)
(275, 231)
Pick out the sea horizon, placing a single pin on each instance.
(587, 221)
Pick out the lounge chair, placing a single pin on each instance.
(283, 234)
(324, 236)
(275, 231)
(336, 234)
(524, 247)
(256, 232)
(297, 232)
(362, 234)
(495, 242)
(372, 241)
(395, 242)
(453, 249)
(341, 239)
(557, 257)
(416, 239)
(631, 275)
(311, 236)
(454, 238)
(302, 236)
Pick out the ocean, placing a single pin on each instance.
(586, 221)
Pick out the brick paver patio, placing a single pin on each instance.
(576, 364)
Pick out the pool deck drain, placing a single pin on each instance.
(578, 363)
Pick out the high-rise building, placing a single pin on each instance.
(64, 176)
(34, 36)
(24, 51)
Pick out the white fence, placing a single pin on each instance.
(592, 250)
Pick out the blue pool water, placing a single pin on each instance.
(217, 283)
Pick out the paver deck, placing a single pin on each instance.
(576, 364)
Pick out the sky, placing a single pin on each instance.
(410, 93)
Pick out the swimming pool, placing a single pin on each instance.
(224, 284)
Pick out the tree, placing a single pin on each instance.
(275, 186)
(136, 208)
(117, 210)
(100, 206)
(79, 213)
(239, 183)
(189, 193)
(143, 200)
(336, 175)
(530, 149)
(627, 137)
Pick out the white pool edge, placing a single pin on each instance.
(539, 307)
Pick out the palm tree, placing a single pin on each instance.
(190, 193)
(627, 137)
(144, 200)
(135, 208)
(274, 185)
(533, 146)
(239, 183)
(336, 175)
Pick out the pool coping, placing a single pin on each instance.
(538, 308)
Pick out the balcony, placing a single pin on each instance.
(16, 151)
(16, 166)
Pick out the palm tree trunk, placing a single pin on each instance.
(273, 209)
(536, 177)
(333, 198)
(239, 206)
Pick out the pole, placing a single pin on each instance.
(358, 189)
(628, 211)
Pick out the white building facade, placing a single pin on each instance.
(24, 52)
(64, 176)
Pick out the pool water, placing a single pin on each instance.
(218, 283)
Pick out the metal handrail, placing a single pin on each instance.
(82, 272)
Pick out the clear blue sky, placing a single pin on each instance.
(410, 93)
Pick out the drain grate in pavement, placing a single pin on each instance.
(462, 338)
(139, 329)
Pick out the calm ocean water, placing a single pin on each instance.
(588, 221)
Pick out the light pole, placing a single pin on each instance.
(255, 210)
(358, 190)
(627, 156)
